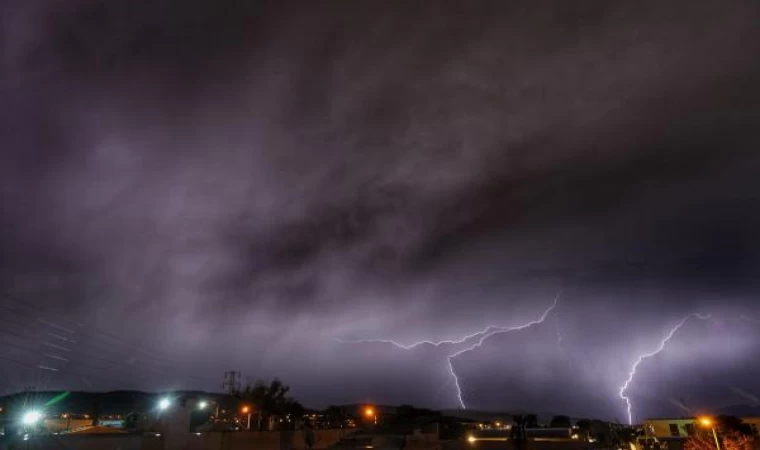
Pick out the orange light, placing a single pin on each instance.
(705, 421)
(245, 409)
(369, 412)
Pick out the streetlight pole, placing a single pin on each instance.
(707, 422)
(247, 410)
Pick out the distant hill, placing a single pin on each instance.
(107, 403)
(485, 416)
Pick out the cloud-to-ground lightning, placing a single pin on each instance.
(487, 335)
(644, 356)
(481, 337)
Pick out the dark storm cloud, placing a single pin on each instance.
(245, 182)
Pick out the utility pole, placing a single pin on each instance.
(231, 382)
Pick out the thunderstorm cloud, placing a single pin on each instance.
(190, 187)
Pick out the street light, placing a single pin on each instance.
(708, 423)
(247, 410)
(164, 403)
(202, 404)
(370, 412)
(30, 418)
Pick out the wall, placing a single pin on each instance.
(661, 427)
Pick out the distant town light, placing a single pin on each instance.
(369, 412)
(203, 404)
(164, 403)
(31, 417)
(245, 409)
(471, 439)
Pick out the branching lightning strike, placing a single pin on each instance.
(420, 343)
(481, 337)
(644, 356)
(487, 335)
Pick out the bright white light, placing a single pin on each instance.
(471, 438)
(31, 417)
(203, 404)
(164, 403)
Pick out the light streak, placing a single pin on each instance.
(481, 337)
(644, 356)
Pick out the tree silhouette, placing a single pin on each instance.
(729, 424)
(270, 399)
(335, 416)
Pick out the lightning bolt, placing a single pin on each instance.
(413, 345)
(485, 337)
(481, 337)
(644, 356)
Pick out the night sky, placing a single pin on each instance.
(191, 187)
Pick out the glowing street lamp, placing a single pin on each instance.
(370, 412)
(247, 410)
(164, 404)
(202, 404)
(30, 418)
(708, 423)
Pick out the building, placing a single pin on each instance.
(753, 422)
(670, 429)
(665, 429)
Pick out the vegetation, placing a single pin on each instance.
(270, 400)
(732, 424)
(731, 440)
